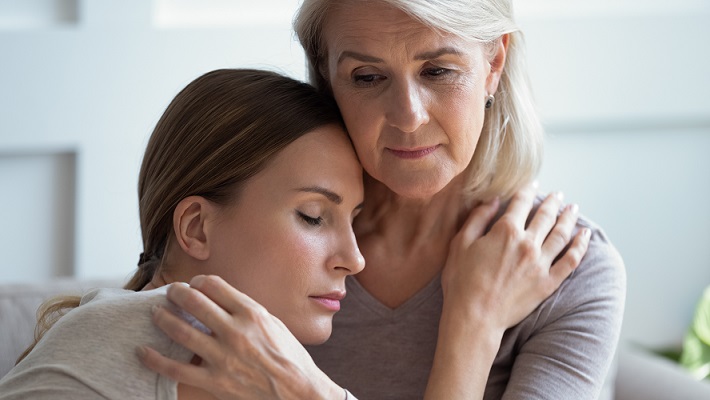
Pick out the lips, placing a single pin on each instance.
(413, 153)
(331, 301)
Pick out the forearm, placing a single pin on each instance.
(465, 351)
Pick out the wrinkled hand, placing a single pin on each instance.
(249, 355)
(501, 276)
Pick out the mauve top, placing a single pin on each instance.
(563, 350)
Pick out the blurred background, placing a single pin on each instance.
(622, 85)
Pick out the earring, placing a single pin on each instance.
(489, 101)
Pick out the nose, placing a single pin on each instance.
(349, 259)
(406, 107)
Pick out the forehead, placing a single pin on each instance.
(360, 26)
(322, 152)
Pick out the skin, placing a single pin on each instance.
(305, 201)
(413, 101)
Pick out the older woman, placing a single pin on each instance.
(436, 102)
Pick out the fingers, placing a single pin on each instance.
(573, 256)
(185, 334)
(223, 294)
(479, 218)
(545, 217)
(561, 234)
(177, 371)
(200, 306)
(520, 205)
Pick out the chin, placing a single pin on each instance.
(418, 185)
(419, 190)
(314, 334)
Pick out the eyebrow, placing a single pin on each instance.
(438, 53)
(428, 55)
(332, 196)
(359, 57)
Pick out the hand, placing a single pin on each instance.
(501, 276)
(249, 355)
(492, 281)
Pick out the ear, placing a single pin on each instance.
(497, 62)
(191, 222)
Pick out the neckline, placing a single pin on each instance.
(359, 293)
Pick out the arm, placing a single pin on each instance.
(492, 281)
(568, 347)
(250, 353)
(247, 343)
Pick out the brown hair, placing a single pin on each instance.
(219, 131)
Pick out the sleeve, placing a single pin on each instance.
(90, 353)
(572, 344)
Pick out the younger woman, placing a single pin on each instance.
(248, 176)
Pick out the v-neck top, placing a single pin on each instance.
(563, 350)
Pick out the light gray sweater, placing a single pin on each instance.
(90, 353)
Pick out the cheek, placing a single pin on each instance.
(281, 272)
(465, 120)
(360, 117)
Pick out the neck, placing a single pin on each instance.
(166, 273)
(405, 240)
(410, 220)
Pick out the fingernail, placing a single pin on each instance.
(574, 208)
(141, 351)
(560, 196)
(196, 280)
(587, 233)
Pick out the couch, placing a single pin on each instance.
(640, 375)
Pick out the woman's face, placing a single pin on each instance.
(288, 241)
(412, 99)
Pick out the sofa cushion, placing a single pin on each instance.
(643, 375)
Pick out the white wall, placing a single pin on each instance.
(624, 96)
(622, 87)
(96, 86)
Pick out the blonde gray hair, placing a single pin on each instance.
(509, 151)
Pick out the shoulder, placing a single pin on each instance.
(90, 344)
(103, 308)
(107, 318)
(110, 299)
(594, 295)
(601, 270)
(570, 339)
(110, 324)
(96, 340)
(600, 274)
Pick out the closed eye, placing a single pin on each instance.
(436, 72)
(367, 79)
(313, 221)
